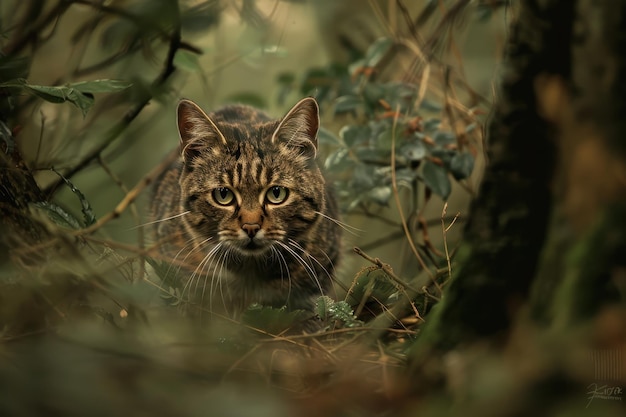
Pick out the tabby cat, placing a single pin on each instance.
(244, 215)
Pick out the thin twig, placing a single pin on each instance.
(386, 268)
(394, 186)
(130, 197)
(133, 210)
(444, 231)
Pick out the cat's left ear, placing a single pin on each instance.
(299, 127)
(196, 129)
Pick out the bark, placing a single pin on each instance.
(548, 229)
(18, 190)
(592, 149)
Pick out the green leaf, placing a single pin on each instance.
(444, 138)
(272, 320)
(377, 51)
(187, 61)
(353, 134)
(322, 307)
(385, 137)
(431, 125)
(356, 65)
(380, 195)
(430, 105)
(378, 156)
(79, 94)
(400, 96)
(58, 215)
(461, 165)
(343, 312)
(338, 161)
(329, 310)
(89, 217)
(436, 178)
(373, 92)
(373, 284)
(327, 137)
(363, 176)
(349, 103)
(51, 94)
(414, 150)
(444, 154)
(405, 177)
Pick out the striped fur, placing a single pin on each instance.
(254, 249)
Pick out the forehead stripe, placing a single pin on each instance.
(239, 168)
(259, 172)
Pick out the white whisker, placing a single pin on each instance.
(210, 260)
(282, 261)
(199, 270)
(313, 258)
(309, 268)
(159, 221)
(330, 261)
(222, 260)
(345, 226)
(181, 263)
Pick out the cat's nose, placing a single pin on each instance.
(251, 229)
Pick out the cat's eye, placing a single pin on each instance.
(223, 196)
(276, 194)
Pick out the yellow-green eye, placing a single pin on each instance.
(223, 196)
(276, 194)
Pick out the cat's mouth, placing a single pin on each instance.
(252, 246)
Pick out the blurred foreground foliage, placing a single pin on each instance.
(87, 326)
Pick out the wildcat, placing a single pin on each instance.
(244, 215)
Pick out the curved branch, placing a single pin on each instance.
(114, 133)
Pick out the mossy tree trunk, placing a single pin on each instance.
(547, 231)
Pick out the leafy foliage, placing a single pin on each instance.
(331, 311)
(89, 216)
(273, 320)
(58, 215)
(79, 94)
(388, 115)
(373, 283)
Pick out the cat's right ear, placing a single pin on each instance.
(197, 131)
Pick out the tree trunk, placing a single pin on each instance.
(547, 233)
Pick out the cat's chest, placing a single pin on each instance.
(256, 273)
(266, 283)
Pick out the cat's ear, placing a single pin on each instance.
(197, 131)
(299, 127)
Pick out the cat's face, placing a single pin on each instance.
(250, 183)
